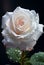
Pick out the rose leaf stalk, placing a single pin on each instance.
(22, 58)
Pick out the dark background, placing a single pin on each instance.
(10, 5)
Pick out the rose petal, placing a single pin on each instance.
(31, 44)
(34, 16)
(27, 45)
(38, 32)
(10, 37)
(5, 19)
(9, 43)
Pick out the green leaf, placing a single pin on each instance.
(27, 61)
(14, 54)
(37, 59)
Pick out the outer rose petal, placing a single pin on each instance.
(9, 36)
(5, 18)
(22, 46)
(35, 16)
(38, 32)
(30, 45)
(9, 43)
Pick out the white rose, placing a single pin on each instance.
(21, 28)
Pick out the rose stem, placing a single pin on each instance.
(23, 57)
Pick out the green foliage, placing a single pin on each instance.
(37, 59)
(14, 54)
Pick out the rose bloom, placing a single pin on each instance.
(21, 28)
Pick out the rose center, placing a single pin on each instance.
(20, 22)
